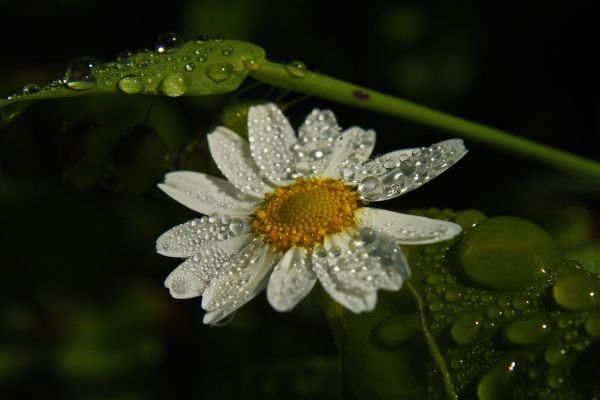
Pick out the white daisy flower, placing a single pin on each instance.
(294, 210)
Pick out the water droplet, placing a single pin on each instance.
(576, 291)
(168, 42)
(31, 88)
(236, 226)
(407, 167)
(174, 84)
(296, 69)
(79, 73)
(367, 235)
(131, 84)
(497, 383)
(528, 330)
(554, 354)
(335, 251)
(201, 39)
(592, 325)
(124, 55)
(466, 328)
(189, 67)
(219, 72)
(370, 188)
(227, 51)
(493, 254)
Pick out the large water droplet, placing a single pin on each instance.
(466, 328)
(219, 72)
(370, 188)
(506, 253)
(296, 69)
(174, 84)
(497, 383)
(167, 42)
(527, 330)
(592, 325)
(79, 73)
(576, 291)
(131, 84)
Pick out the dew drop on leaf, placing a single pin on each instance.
(296, 69)
(174, 84)
(576, 291)
(528, 330)
(79, 73)
(168, 42)
(131, 84)
(466, 328)
(219, 72)
(31, 88)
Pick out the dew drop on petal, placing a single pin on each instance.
(370, 188)
(367, 235)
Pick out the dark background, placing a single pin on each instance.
(83, 313)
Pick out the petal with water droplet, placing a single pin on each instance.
(408, 229)
(232, 155)
(206, 194)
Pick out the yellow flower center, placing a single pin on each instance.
(303, 213)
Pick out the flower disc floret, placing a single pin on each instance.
(305, 212)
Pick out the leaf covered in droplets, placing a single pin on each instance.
(195, 68)
(496, 313)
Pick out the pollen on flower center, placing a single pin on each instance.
(303, 213)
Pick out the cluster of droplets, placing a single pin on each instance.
(165, 69)
(187, 238)
(523, 342)
(371, 260)
(316, 140)
(237, 273)
(389, 176)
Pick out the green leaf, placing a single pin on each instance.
(494, 314)
(200, 67)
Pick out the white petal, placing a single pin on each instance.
(352, 271)
(291, 280)
(352, 148)
(232, 155)
(316, 140)
(271, 140)
(207, 194)
(186, 239)
(408, 229)
(244, 276)
(422, 166)
(193, 276)
(353, 174)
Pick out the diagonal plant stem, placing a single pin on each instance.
(438, 359)
(343, 92)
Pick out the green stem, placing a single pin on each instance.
(339, 91)
(438, 359)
